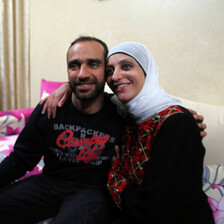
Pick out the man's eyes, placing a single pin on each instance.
(73, 65)
(77, 65)
(93, 64)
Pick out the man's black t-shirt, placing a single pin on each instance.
(76, 146)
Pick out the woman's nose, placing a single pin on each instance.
(116, 74)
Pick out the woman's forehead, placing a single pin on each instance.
(119, 57)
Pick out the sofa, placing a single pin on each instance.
(13, 121)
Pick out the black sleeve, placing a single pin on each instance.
(27, 149)
(173, 173)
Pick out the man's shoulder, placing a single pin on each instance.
(108, 100)
(38, 109)
(116, 104)
(108, 95)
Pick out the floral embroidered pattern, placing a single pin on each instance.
(135, 153)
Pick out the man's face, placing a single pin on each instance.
(86, 66)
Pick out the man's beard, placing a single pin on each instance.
(80, 94)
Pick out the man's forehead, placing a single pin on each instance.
(86, 49)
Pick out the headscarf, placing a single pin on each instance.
(152, 98)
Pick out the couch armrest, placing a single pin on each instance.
(13, 121)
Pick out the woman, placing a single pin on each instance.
(157, 178)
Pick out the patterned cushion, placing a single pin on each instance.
(13, 121)
(213, 186)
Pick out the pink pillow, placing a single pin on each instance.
(47, 87)
(13, 121)
(6, 145)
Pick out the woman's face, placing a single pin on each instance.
(124, 76)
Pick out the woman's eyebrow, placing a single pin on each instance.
(125, 60)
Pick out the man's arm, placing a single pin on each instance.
(27, 150)
(60, 95)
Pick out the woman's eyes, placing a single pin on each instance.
(109, 71)
(126, 66)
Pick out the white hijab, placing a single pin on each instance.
(152, 99)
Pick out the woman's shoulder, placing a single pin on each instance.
(177, 116)
(174, 112)
(169, 114)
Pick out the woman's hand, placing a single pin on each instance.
(199, 119)
(117, 157)
(56, 99)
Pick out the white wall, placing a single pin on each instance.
(186, 38)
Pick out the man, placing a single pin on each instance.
(77, 147)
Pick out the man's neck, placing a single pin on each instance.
(90, 106)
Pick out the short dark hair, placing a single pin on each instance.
(89, 38)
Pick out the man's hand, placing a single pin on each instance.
(199, 119)
(56, 99)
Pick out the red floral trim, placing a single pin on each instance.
(135, 153)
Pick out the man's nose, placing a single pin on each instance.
(83, 72)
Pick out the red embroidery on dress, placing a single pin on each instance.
(135, 153)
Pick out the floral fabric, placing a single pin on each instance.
(13, 121)
(11, 124)
(213, 185)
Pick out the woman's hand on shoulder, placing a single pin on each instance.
(56, 99)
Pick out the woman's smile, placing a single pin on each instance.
(124, 76)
